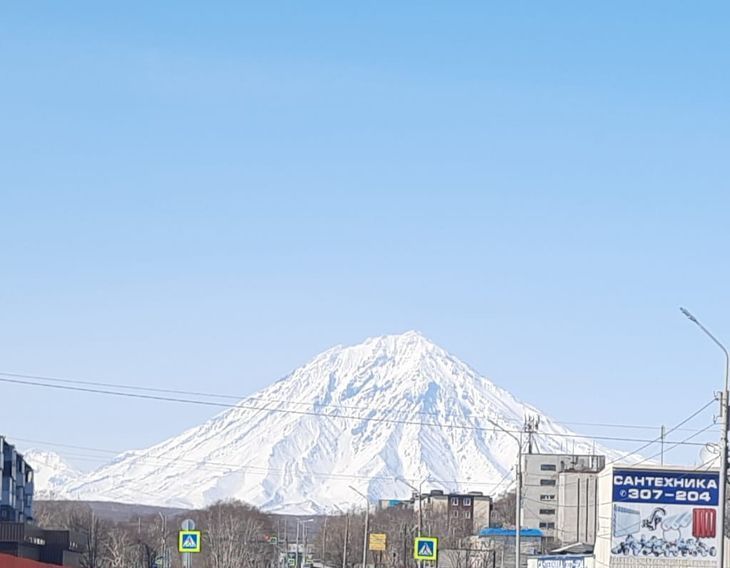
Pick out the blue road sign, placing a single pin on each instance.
(425, 548)
(189, 541)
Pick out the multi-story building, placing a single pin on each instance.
(457, 514)
(16, 500)
(22, 543)
(577, 507)
(559, 495)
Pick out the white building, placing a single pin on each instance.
(553, 498)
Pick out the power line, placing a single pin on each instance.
(217, 465)
(674, 428)
(160, 398)
(243, 398)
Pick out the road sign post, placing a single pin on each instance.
(426, 548)
(189, 542)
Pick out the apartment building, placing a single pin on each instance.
(552, 498)
(458, 514)
(16, 499)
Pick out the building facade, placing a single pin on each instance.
(577, 507)
(454, 514)
(51, 547)
(16, 499)
(551, 495)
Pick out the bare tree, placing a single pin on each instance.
(503, 510)
(94, 534)
(119, 550)
(54, 514)
(233, 535)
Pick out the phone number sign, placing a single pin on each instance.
(667, 487)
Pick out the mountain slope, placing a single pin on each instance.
(52, 475)
(393, 406)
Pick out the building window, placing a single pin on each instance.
(547, 525)
(547, 482)
(548, 467)
(467, 501)
(455, 514)
(547, 511)
(467, 514)
(455, 501)
(547, 497)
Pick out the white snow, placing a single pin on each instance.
(392, 406)
(51, 474)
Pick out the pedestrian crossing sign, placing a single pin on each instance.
(425, 548)
(188, 541)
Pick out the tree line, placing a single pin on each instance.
(238, 535)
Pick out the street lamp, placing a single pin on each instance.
(518, 496)
(347, 535)
(419, 489)
(367, 519)
(300, 563)
(163, 536)
(723, 434)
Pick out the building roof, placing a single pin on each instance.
(509, 532)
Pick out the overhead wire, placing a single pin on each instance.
(242, 398)
(161, 461)
(375, 419)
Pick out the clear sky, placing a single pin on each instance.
(205, 195)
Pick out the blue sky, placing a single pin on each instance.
(204, 197)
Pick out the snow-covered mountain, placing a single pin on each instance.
(362, 416)
(52, 474)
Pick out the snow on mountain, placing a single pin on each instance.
(392, 406)
(51, 474)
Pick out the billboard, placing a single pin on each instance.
(664, 514)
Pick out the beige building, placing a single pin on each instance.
(577, 507)
(455, 514)
(548, 480)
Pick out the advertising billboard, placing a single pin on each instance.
(664, 514)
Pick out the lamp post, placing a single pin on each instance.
(365, 532)
(723, 435)
(518, 496)
(418, 489)
(300, 563)
(347, 535)
(163, 535)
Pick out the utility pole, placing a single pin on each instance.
(518, 496)
(532, 424)
(163, 533)
(299, 563)
(365, 532)
(347, 536)
(419, 491)
(324, 540)
(304, 554)
(297, 546)
(662, 435)
(723, 437)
